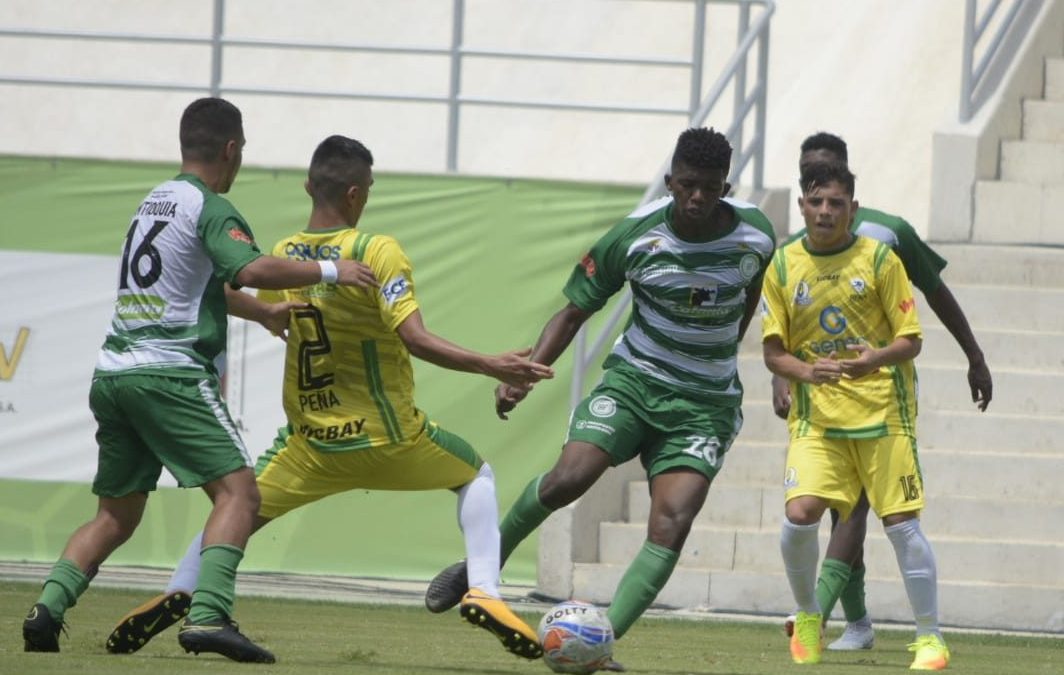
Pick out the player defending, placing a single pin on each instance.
(671, 393)
(350, 349)
(842, 572)
(840, 325)
(155, 393)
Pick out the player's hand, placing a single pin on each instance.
(981, 383)
(355, 273)
(826, 370)
(514, 368)
(507, 398)
(276, 315)
(867, 361)
(781, 397)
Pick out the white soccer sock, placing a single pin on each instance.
(801, 551)
(917, 563)
(187, 572)
(478, 516)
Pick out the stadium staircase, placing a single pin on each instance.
(995, 512)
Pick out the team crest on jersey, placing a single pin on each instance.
(802, 296)
(394, 289)
(602, 406)
(749, 266)
(588, 263)
(703, 296)
(236, 234)
(858, 285)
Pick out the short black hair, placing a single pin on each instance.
(816, 174)
(703, 148)
(206, 126)
(338, 163)
(822, 140)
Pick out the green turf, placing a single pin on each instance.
(315, 637)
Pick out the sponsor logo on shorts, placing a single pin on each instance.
(602, 406)
(790, 479)
(595, 426)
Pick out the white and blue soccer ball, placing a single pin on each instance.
(576, 637)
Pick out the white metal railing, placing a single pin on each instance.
(733, 74)
(980, 78)
(457, 53)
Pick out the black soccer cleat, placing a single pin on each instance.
(447, 588)
(145, 622)
(222, 637)
(40, 632)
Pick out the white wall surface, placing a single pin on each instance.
(881, 73)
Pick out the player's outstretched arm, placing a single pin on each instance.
(268, 272)
(558, 332)
(949, 312)
(273, 316)
(510, 367)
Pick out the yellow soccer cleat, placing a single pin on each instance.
(931, 653)
(807, 642)
(145, 622)
(492, 614)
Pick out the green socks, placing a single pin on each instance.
(524, 516)
(853, 596)
(645, 578)
(834, 574)
(64, 585)
(216, 589)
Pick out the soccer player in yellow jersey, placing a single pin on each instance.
(349, 402)
(840, 325)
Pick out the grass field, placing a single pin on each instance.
(315, 637)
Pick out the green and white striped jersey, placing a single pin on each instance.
(184, 243)
(688, 297)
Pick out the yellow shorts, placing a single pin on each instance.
(836, 469)
(292, 474)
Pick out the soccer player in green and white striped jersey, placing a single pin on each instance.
(670, 394)
(155, 393)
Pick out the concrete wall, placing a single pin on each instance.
(882, 73)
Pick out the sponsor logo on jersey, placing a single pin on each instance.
(832, 320)
(749, 266)
(858, 285)
(837, 345)
(802, 296)
(602, 406)
(588, 263)
(703, 296)
(302, 251)
(236, 234)
(906, 305)
(394, 289)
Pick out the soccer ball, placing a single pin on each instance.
(576, 637)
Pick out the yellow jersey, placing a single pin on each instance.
(348, 380)
(821, 303)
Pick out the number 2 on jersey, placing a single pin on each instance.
(311, 347)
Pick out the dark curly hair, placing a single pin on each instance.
(703, 148)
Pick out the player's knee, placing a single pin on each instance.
(560, 487)
(669, 530)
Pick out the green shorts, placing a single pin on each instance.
(146, 422)
(626, 416)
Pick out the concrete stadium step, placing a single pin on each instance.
(997, 264)
(1006, 307)
(1030, 209)
(1004, 349)
(961, 604)
(1054, 87)
(1043, 120)
(945, 429)
(1011, 562)
(1029, 391)
(1034, 162)
(761, 507)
